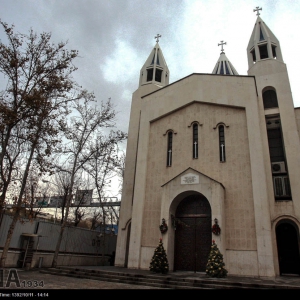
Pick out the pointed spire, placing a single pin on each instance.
(155, 69)
(223, 65)
(263, 44)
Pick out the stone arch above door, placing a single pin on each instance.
(187, 183)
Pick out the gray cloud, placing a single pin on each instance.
(190, 32)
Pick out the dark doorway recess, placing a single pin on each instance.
(193, 234)
(288, 248)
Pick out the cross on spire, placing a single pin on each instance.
(157, 37)
(222, 46)
(257, 10)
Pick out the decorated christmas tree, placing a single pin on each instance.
(159, 262)
(215, 266)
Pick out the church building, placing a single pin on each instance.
(216, 157)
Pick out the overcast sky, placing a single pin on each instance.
(115, 37)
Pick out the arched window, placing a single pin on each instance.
(169, 149)
(195, 140)
(222, 143)
(270, 99)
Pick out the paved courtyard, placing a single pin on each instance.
(34, 280)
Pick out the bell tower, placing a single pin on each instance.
(263, 43)
(154, 75)
(279, 131)
(277, 111)
(266, 64)
(155, 70)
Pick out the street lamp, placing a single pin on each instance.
(47, 181)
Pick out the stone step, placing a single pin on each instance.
(160, 281)
(174, 279)
(122, 279)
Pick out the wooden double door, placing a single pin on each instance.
(193, 234)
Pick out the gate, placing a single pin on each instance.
(193, 234)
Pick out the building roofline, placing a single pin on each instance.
(192, 102)
(231, 76)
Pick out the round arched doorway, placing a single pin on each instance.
(192, 234)
(288, 247)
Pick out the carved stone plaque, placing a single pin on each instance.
(190, 178)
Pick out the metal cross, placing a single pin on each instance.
(222, 46)
(257, 10)
(157, 37)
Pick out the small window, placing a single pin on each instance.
(253, 55)
(222, 143)
(222, 69)
(149, 74)
(274, 51)
(261, 36)
(227, 69)
(169, 149)
(263, 51)
(158, 74)
(282, 186)
(152, 62)
(157, 59)
(270, 99)
(275, 142)
(195, 141)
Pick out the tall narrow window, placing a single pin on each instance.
(282, 189)
(195, 141)
(222, 143)
(222, 69)
(261, 36)
(253, 55)
(152, 62)
(157, 59)
(263, 51)
(274, 51)
(158, 74)
(226, 68)
(149, 74)
(169, 149)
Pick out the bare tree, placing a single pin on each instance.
(79, 131)
(106, 162)
(32, 105)
(96, 219)
(102, 167)
(79, 212)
